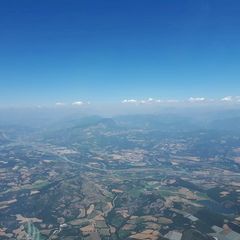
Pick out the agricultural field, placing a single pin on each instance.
(108, 180)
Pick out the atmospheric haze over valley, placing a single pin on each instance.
(174, 174)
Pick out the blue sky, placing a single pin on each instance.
(106, 51)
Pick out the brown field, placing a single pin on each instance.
(147, 234)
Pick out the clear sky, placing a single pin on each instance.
(69, 50)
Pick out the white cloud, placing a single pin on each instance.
(231, 99)
(135, 101)
(60, 104)
(196, 99)
(152, 101)
(149, 101)
(227, 99)
(129, 101)
(80, 103)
